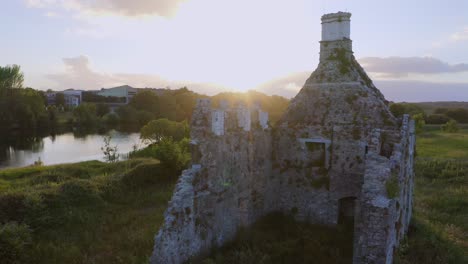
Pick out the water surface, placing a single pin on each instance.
(65, 148)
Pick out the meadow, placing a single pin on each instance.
(89, 212)
(439, 229)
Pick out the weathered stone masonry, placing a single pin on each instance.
(337, 154)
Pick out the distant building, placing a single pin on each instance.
(124, 91)
(73, 98)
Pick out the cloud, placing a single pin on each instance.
(287, 86)
(79, 74)
(132, 8)
(397, 67)
(393, 90)
(419, 91)
(460, 36)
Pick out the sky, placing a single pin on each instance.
(413, 50)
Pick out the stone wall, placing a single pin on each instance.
(385, 204)
(224, 189)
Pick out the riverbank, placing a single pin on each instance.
(88, 212)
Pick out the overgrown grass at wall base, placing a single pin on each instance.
(278, 238)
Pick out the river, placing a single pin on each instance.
(64, 148)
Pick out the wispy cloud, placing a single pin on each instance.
(79, 74)
(132, 8)
(460, 36)
(398, 67)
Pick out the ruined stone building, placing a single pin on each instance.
(337, 154)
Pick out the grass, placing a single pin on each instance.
(89, 212)
(278, 238)
(434, 143)
(439, 229)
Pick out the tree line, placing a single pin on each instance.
(26, 109)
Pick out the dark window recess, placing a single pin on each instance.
(346, 210)
(316, 153)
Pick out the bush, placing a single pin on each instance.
(172, 154)
(148, 173)
(160, 129)
(111, 119)
(12, 207)
(437, 119)
(451, 126)
(458, 114)
(419, 122)
(79, 193)
(14, 241)
(399, 109)
(22, 208)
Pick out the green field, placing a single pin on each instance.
(433, 143)
(89, 212)
(439, 230)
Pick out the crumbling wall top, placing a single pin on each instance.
(336, 26)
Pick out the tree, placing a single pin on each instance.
(458, 114)
(60, 99)
(399, 109)
(110, 152)
(146, 101)
(437, 119)
(160, 129)
(85, 114)
(102, 109)
(11, 77)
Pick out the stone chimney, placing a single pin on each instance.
(336, 34)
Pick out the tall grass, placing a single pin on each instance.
(439, 230)
(89, 212)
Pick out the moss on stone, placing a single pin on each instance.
(320, 182)
(391, 186)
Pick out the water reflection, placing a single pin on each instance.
(65, 148)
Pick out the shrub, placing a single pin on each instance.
(450, 127)
(12, 207)
(111, 119)
(458, 114)
(172, 154)
(14, 241)
(160, 129)
(79, 192)
(148, 173)
(437, 119)
(419, 122)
